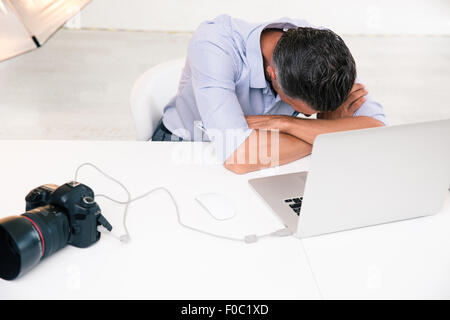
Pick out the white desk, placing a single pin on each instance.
(404, 260)
(164, 261)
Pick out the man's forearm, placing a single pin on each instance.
(308, 129)
(258, 151)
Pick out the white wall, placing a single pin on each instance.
(343, 16)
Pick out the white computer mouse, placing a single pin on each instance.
(217, 205)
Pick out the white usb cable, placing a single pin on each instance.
(125, 237)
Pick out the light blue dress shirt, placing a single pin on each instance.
(223, 80)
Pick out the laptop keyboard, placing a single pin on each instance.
(295, 204)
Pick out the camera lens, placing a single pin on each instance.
(20, 247)
(26, 239)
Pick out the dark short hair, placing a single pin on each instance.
(315, 66)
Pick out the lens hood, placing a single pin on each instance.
(20, 246)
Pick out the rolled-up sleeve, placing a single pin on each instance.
(213, 74)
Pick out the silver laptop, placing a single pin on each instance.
(364, 177)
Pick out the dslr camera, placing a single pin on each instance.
(55, 216)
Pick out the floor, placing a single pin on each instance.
(78, 84)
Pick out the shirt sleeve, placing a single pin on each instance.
(213, 74)
(371, 108)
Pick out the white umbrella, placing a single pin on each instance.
(27, 24)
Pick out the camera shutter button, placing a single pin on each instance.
(33, 196)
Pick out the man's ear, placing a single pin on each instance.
(271, 72)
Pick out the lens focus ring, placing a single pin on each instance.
(53, 225)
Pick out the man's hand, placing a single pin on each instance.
(353, 102)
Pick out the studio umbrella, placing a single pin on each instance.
(27, 24)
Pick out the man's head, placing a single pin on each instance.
(313, 70)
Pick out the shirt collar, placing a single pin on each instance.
(255, 59)
(253, 51)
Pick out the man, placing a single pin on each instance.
(249, 78)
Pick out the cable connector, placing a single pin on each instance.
(285, 232)
(251, 238)
(124, 238)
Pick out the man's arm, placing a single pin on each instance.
(263, 149)
(308, 129)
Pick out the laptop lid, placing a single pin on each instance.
(372, 176)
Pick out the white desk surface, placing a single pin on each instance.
(409, 259)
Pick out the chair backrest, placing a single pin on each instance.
(151, 93)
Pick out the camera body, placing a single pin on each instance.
(76, 200)
(55, 216)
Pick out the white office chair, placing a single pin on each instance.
(151, 93)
